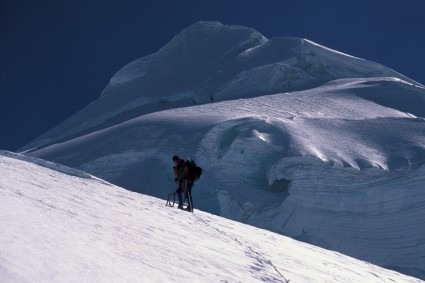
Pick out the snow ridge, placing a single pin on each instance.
(208, 62)
(47, 164)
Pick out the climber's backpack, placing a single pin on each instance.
(195, 171)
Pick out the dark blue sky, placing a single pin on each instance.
(57, 56)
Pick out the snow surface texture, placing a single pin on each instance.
(58, 227)
(301, 140)
(212, 62)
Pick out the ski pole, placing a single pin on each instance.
(190, 202)
(168, 199)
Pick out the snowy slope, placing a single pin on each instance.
(325, 165)
(293, 137)
(62, 227)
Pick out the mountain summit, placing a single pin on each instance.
(210, 62)
(293, 137)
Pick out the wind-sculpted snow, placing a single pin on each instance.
(62, 228)
(210, 62)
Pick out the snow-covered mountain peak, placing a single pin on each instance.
(59, 227)
(198, 48)
(209, 62)
(208, 26)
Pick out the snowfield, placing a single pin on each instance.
(293, 137)
(64, 226)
